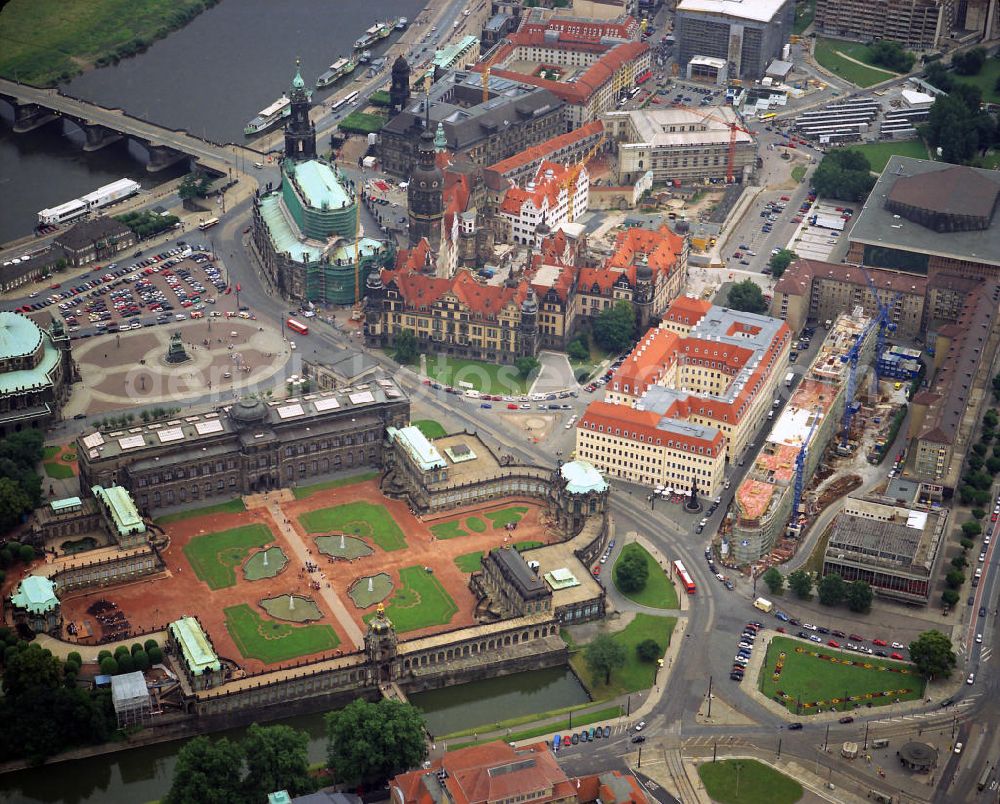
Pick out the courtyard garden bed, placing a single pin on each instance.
(272, 642)
(215, 556)
(358, 518)
(419, 602)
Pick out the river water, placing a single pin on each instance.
(144, 774)
(209, 78)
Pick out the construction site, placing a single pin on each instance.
(839, 418)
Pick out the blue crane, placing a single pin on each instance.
(884, 321)
(852, 355)
(800, 467)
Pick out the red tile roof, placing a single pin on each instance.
(687, 311)
(545, 149)
(626, 422)
(529, 771)
(797, 280)
(485, 301)
(586, 84)
(416, 258)
(660, 248)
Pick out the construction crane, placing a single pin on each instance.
(574, 173)
(885, 322)
(800, 468)
(487, 66)
(850, 408)
(733, 128)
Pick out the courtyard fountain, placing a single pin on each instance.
(344, 547)
(293, 608)
(367, 591)
(266, 563)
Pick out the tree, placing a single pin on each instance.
(13, 503)
(993, 464)
(603, 655)
(747, 297)
(779, 262)
(845, 174)
(891, 55)
(949, 597)
(31, 668)
(955, 578)
(831, 590)
(405, 346)
(109, 666)
(958, 126)
(526, 365)
(367, 743)
(937, 74)
(26, 553)
(631, 572)
(155, 655)
(971, 528)
(648, 650)
(208, 772)
(967, 544)
(775, 580)
(959, 562)
(932, 654)
(577, 349)
(277, 759)
(978, 513)
(614, 328)
(801, 582)
(859, 596)
(970, 62)
(141, 660)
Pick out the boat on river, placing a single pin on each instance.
(335, 72)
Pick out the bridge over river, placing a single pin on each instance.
(35, 107)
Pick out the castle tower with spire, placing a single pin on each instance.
(300, 131)
(425, 195)
(399, 90)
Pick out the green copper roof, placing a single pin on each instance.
(198, 653)
(424, 453)
(35, 594)
(440, 140)
(121, 508)
(581, 477)
(18, 335)
(320, 186)
(297, 82)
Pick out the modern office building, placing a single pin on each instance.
(243, 447)
(915, 24)
(688, 145)
(930, 218)
(892, 548)
(747, 35)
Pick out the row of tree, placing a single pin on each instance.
(844, 174)
(831, 590)
(957, 123)
(146, 223)
(20, 485)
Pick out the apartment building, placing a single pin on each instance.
(916, 24)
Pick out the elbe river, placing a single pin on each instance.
(210, 78)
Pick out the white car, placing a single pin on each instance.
(958, 748)
(640, 725)
(971, 679)
(899, 645)
(809, 627)
(979, 639)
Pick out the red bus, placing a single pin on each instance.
(297, 326)
(685, 578)
(642, 79)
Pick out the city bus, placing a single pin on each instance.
(297, 326)
(208, 224)
(769, 116)
(686, 581)
(984, 779)
(344, 101)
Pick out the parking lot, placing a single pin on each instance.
(170, 286)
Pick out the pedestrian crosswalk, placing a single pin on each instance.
(985, 655)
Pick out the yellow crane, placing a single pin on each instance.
(574, 173)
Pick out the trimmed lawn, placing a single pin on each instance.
(756, 782)
(986, 80)
(234, 506)
(506, 515)
(272, 641)
(798, 172)
(215, 556)
(362, 122)
(527, 545)
(635, 675)
(448, 530)
(813, 680)
(826, 53)
(470, 562)
(475, 524)
(597, 356)
(50, 452)
(59, 471)
(878, 153)
(581, 719)
(301, 492)
(490, 378)
(358, 518)
(430, 428)
(419, 602)
(659, 592)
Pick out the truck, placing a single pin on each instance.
(764, 605)
(789, 379)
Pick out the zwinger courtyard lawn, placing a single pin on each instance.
(272, 641)
(419, 602)
(215, 556)
(357, 519)
(824, 678)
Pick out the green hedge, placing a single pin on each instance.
(362, 123)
